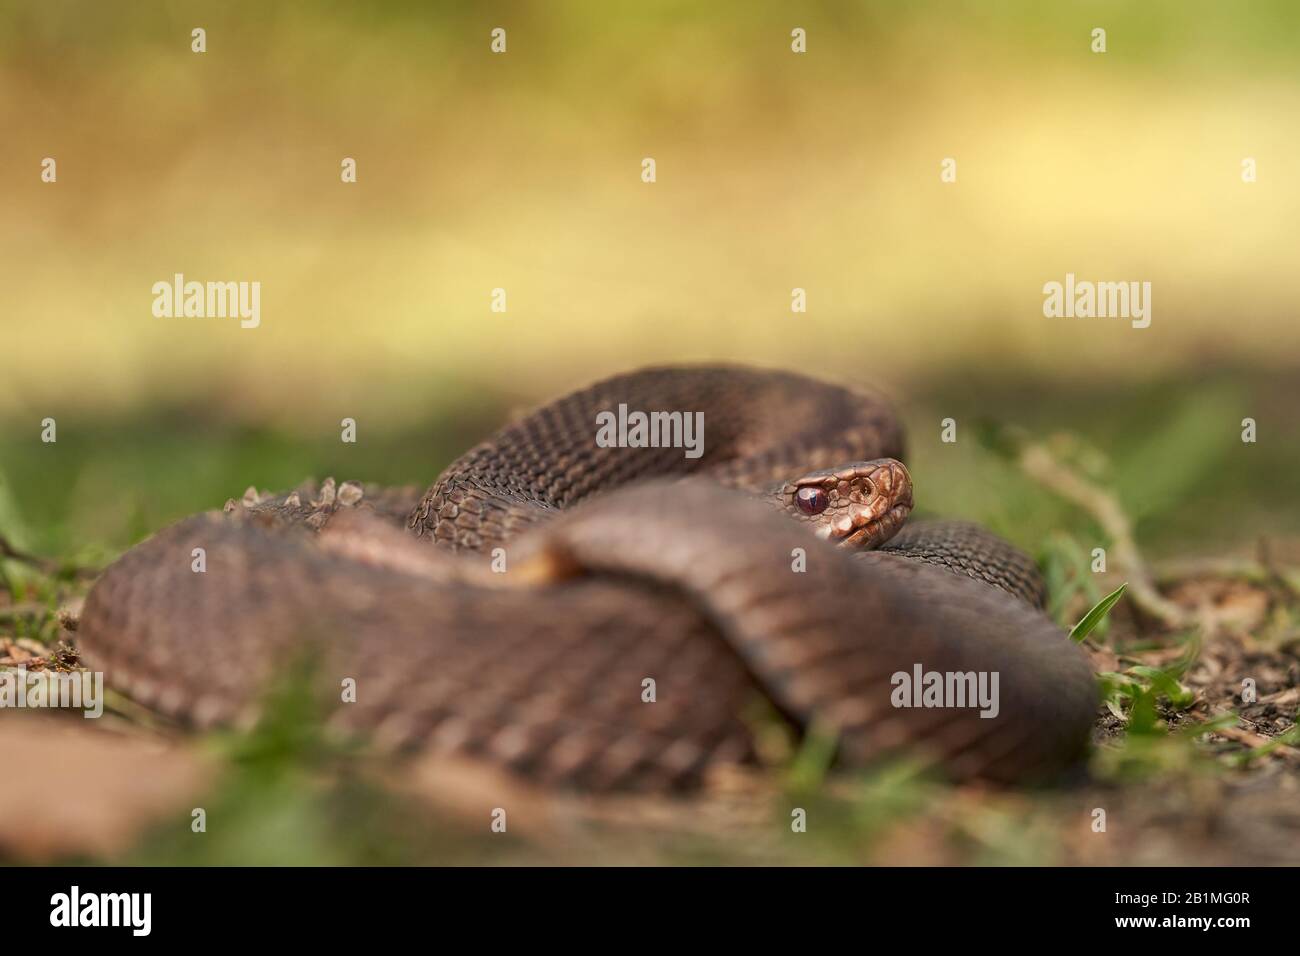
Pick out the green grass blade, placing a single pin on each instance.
(1097, 614)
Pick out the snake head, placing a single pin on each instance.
(859, 505)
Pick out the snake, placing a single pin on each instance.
(621, 615)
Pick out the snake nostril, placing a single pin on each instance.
(812, 501)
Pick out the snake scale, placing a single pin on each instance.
(612, 618)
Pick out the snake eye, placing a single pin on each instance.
(811, 501)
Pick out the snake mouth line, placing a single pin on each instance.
(877, 532)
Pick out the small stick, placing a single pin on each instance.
(47, 566)
(1258, 742)
(1039, 464)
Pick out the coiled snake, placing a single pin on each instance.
(606, 617)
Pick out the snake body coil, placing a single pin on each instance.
(624, 569)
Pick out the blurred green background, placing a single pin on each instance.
(522, 171)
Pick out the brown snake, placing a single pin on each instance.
(519, 610)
